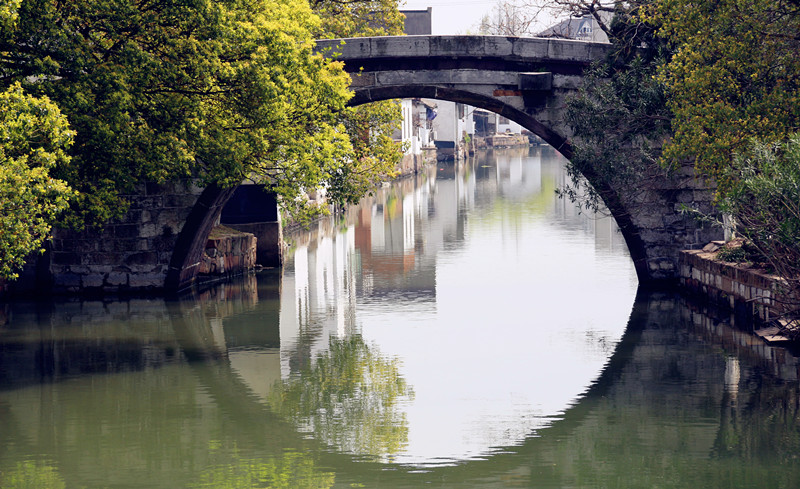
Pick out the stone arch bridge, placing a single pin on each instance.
(158, 245)
(528, 80)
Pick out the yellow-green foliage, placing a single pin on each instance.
(8, 13)
(33, 139)
(32, 475)
(291, 470)
(734, 75)
(369, 127)
(359, 18)
(220, 90)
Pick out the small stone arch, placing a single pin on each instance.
(191, 240)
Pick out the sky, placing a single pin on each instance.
(453, 16)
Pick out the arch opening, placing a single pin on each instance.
(615, 206)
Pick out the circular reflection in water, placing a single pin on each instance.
(496, 302)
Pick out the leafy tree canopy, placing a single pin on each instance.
(369, 127)
(358, 18)
(764, 199)
(735, 75)
(218, 89)
(33, 139)
(619, 117)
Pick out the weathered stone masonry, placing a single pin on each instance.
(133, 253)
(751, 293)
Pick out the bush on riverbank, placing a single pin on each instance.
(764, 201)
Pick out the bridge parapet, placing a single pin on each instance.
(563, 56)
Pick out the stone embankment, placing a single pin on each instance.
(752, 293)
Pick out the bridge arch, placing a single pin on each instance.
(528, 80)
(494, 104)
(636, 246)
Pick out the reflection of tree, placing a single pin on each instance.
(30, 474)
(292, 470)
(348, 397)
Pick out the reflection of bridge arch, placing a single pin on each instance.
(255, 427)
(553, 459)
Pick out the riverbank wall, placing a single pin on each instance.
(750, 293)
(411, 163)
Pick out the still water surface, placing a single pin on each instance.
(464, 328)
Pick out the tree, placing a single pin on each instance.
(734, 89)
(735, 75)
(510, 18)
(369, 127)
(525, 17)
(216, 90)
(34, 137)
(357, 18)
(619, 117)
(8, 14)
(764, 199)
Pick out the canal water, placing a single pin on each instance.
(462, 328)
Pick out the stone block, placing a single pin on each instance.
(540, 82)
(400, 46)
(117, 279)
(567, 82)
(149, 258)
(530, 49)
(148, 230)
(126, 231)
(146, 280)
(351, 48)
(67, 280)
(145, 268)
(450, 46)
(94, 280)
(183, 201)
(358, 80)
(569, 50)
(498, 46)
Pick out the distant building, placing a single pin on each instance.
(417, 22)
(448, 127)
(453, 121)
(582, 29)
